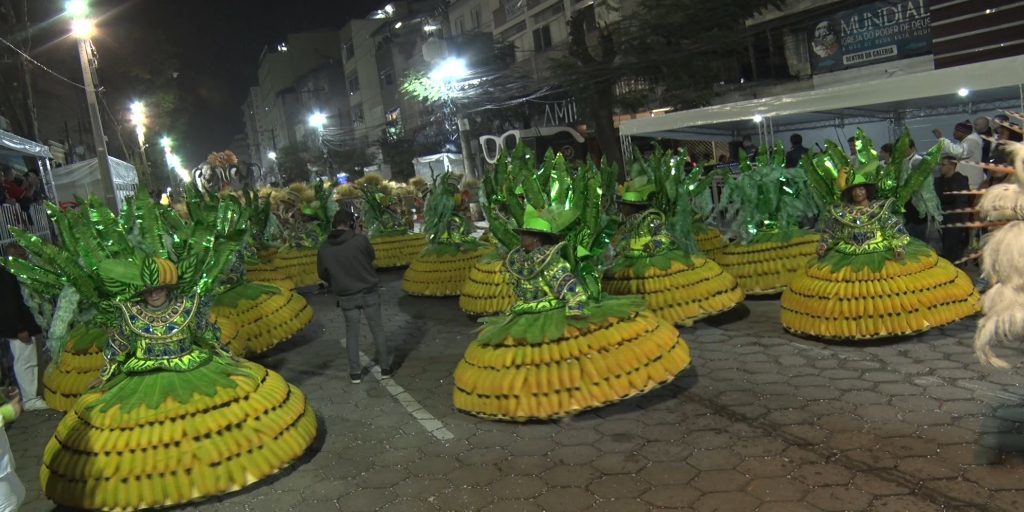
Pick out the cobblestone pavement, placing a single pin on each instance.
(762, 421)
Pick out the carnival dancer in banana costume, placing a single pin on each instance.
(655, 252)
(393, 241)
(871, 279)
(259, 250)
(253, 317)
(175, 418)
(304, 216)
(765, 206)
(443, 265)
(564, 347)
(488, 288)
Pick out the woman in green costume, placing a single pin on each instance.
(656, 254)
(175, 418)
(564, 347)
(871, 279)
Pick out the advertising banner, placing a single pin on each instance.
(871, 33)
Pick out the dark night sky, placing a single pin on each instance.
(219, 44)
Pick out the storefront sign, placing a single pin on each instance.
(869, 34)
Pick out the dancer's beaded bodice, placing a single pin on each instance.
(853, 229)
(543, 281)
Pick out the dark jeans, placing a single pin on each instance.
(954, 243)
(369, 304)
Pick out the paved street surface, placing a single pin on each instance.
(762, 421)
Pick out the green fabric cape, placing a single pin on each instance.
(537, 328)
(913, 251)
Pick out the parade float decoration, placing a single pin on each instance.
(383, 217)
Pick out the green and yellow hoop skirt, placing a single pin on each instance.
(67, 378)
(220, 428)
(488, 289)
(298, 264)
(440, 269)
(710, 241)
(680, 293)
(397, 250)
(770, 261)
(255, 317)
(842, 297)
(515, 371)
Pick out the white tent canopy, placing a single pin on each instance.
(994, 84)
(83, 179)
(434, 165)
(11, 144)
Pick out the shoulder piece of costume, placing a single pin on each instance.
(643, 234)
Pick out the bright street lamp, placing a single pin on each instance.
(76, 8)
(83, 28)
(272, 155)
(166, 142)
(318, 120)
(450, 70)
(138, 118)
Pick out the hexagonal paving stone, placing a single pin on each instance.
(571, 476)
(778, 489)
(873, 458)
(483, 455)
(766, 467)
(619, 486)
(820, 475)
(672, 432)
(664, 473)
(996, 478)
(619, 443)
(904, 504)
(435, 465)
(666, 451)
(381, 478)
(961, 490)
(619, 463)
(474, 475)
(368, 499)
(1008, 501)
(464, 498)
(879, 487)
(621, 505)
(722, 458)
(513, 506)
(841, 423)
(912, 447)
(404, 505)
(839, 499)
(526, 465)
(619, 426)
(565, 499)
(517, 487)
(672, 496)
(531, 447)
(573, 437)
(421, 488)
(787, 506)
(574, 454)
(720, 480)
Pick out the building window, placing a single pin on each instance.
(474, 18)
(460, 26)
(387, 77)
(350, 50)
(353, 84)
(512, 31)
(542, 38)
(357, 114)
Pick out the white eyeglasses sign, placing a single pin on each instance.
(492, 145)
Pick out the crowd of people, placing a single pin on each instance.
(19, 192)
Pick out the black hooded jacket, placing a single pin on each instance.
(345, 261)
(15, 316)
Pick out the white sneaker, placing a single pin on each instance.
(35, 404)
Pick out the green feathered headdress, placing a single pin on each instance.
(766, 199)
(833, 172)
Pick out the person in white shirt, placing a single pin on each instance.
(12, 491)
(967, 149)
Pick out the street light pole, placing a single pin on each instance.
(99, 140)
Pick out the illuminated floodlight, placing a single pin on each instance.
(758, 118)
(963, 92)
(317, 120)
(76, 8)
(83, 28)
(449, 70)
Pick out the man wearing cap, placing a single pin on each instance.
(967, 149)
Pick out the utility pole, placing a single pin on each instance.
(102, 159)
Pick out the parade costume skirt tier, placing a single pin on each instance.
(299, 265)
(66, 378)
(440, 270)
(397, 250)
(165, 438)
(842, 297)
(678, 292)
(488, 289)
(254, 317)
(539, 366)
(710, 241)
(767, 264)
(268, 273)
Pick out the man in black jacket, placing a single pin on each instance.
(954, 240)
(19, 329)
(345, 262)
